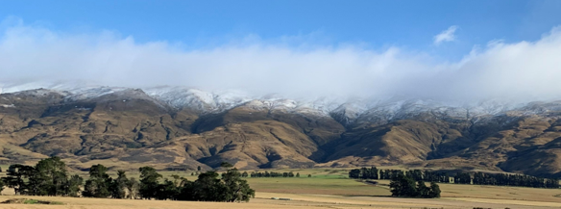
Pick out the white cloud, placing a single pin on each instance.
(446, 35)
(519, 70)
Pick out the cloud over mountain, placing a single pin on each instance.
(524, 70)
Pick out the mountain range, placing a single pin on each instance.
(180, 128)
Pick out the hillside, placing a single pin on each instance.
(179, 128)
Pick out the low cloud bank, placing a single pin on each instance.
(524, 70)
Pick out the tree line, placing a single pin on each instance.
(50, 177)
(477, 178)
(270, 174)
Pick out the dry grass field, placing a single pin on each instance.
(263, 200)
(327, 188)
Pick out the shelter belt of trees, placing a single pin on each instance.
(478, 178)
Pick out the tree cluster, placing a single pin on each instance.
(273, 174)
(364, 173)
(208, 187)
(50, 177)
(47, 177)
(102, 186)
(477, 178)
(404, 186)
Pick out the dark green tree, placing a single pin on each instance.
(434, 190)
(422, 189)
(462, 178)
(73, 185)
(208, 188)
(149, 182)
(171, 188)
(354, 174)
(99, 183)
(50, 178)
(237, 189)
(403, 186)
(17, 177)
(119, 185)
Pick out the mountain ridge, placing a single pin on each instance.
(217, 101)
(182, 128)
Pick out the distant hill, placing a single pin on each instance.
(179, 128)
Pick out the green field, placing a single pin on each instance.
(346, 187)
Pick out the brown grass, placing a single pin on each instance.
(329, 188)
(263, 200)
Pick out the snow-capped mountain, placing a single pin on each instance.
(171, 124)
(345, 111)
(180, 97)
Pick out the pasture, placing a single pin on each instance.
(327, 188)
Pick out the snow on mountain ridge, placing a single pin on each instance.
(343, 110)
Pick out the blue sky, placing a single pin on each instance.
(439, 49)
(376, 24)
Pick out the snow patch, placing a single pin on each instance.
(7, 106)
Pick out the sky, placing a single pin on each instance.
(439, 49)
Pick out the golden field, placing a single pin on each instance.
(327, 188)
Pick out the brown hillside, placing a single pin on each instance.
(128, 129)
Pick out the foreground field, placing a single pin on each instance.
(351, 188)
(327, 188)
(329, 193)
(263, 200)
